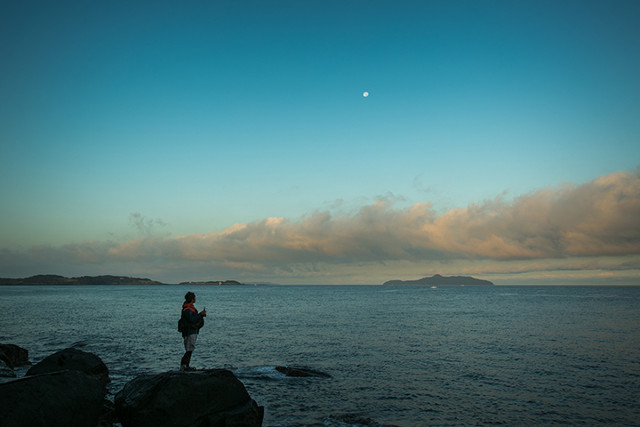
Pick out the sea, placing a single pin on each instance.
(396, 356)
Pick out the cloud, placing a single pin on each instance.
(599, 218)
(145, 226)
(567, 227)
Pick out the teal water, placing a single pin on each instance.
(408, 356)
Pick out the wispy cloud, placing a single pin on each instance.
(570, 227)
(145, 226)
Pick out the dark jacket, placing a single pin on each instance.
(192, 318)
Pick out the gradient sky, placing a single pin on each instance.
(230, 140)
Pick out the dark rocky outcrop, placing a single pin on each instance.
(65, 398)
(354, 420)
(212, 397)
(301, 372)
(73, 359)
(14, 355)
(439, 280)
(6, 371)
(11, 356)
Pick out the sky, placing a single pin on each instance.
(215, 140)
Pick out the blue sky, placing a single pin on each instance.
(127, 127)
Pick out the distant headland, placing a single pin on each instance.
(439, 280)
(52, 279)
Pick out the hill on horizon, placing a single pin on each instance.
(53, 279)
(438, 280)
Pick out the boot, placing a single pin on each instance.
(184, 363)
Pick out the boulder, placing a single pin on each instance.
(301, 372)
(65, 398)
(212, 397)
(354, 420)
(73, 359)
(14, 355)
(6, 371)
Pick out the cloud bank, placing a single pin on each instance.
(567, 228)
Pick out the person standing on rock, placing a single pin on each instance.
(192, 321)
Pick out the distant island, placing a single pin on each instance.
(439, 280)
(52, 279)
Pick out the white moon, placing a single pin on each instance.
(365, 94)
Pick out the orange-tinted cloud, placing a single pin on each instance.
(598, 219)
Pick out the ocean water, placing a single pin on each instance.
(407, 356)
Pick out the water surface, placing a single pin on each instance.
(407, 356)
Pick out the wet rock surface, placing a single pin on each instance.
(14, 355)
(213, 397)
(353, 420)
(6, 371)
(301, 372)
(63, 398)
(73, 359)
(67, 388)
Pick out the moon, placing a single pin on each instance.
(365, 93)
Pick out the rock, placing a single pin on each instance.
(301, 372)
(6, 371)
(353, 420)
(108, 418)
(14, 355)
(73, 359)
(65, 398)
(213, 397)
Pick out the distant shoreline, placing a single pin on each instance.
(107, 280)
(111, 280)
(434, 281)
